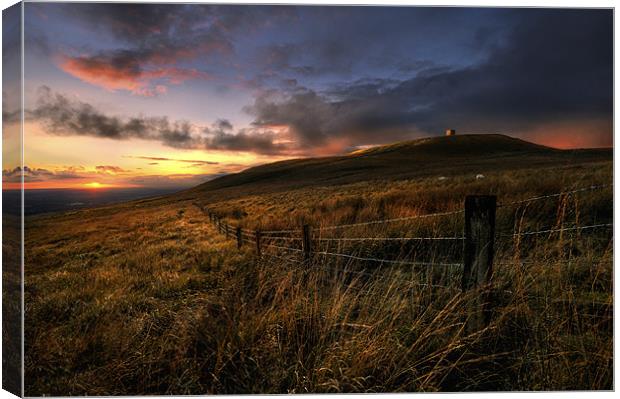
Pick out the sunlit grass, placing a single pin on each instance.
(147, 297)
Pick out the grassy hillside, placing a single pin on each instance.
(147, 297)
(436, 156)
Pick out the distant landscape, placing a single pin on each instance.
(56, 200)
(149, 296)
(305, 199)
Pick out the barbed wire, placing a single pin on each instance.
(281, 238)
(248, 235)
(367, 259)
(428, 215)
(542, 197)
(437, 214)
(278, 231)
(285, 248)
(527, 233)
(386, 260)
(392, 239)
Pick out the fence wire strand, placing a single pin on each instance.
(542, 197)
(527, 233)
(392, 239)
(386, 260)
(428, 215)
(284, 248)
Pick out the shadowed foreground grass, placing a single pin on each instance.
(147, 297)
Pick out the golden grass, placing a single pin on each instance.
(147, 297)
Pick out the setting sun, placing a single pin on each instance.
(93, 185)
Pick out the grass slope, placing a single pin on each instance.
(449, 156)
(146, 297)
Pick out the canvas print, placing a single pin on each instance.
(290, 199)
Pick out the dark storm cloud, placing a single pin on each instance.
(262, 141)
(61, 115)
(356, 41)
(555, 64)
(245, 141)
(363, 111)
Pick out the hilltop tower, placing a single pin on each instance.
(450, 132)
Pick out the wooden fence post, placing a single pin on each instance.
(306, 242)
(258, 253)
(478, 252)
(239, 238)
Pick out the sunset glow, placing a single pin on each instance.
(174, 96)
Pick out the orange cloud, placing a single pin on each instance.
(115, 74)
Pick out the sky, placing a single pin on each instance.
(156, 95)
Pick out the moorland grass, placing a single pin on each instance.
(147, 297)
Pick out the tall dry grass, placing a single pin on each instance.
(152, 299)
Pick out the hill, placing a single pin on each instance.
(148, 297)
(449, 156)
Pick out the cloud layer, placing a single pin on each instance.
(61, 115)
(541, 75)
(345, 77)
(155, 38)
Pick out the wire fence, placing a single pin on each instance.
(400, 219)
(554, 195)
(574, 228)
(302, 240)
(347, 260)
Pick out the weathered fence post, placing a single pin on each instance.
(239, 238)
(258, 253)
(478, 252)
(306, 242)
